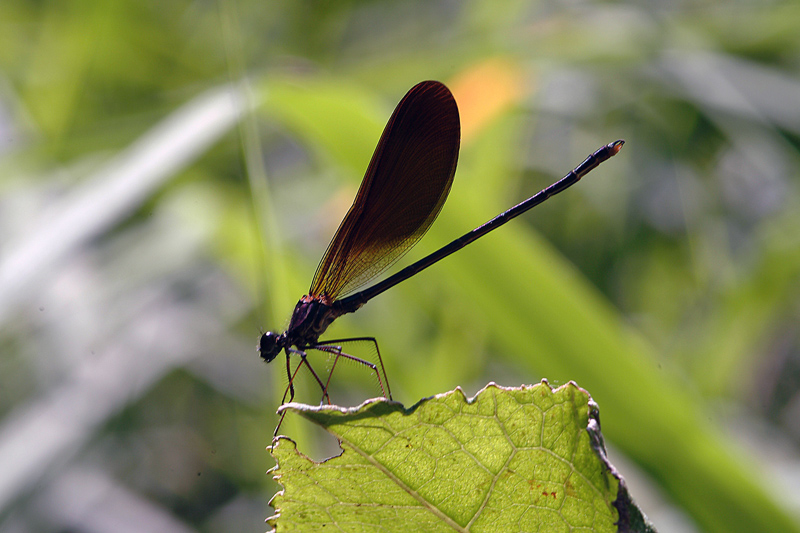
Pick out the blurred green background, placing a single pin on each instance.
(172, 171)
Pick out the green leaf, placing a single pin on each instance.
(509, 459)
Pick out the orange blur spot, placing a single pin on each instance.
(485, 91)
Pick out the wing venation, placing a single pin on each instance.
(403, 190)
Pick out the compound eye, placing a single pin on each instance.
(269, 346)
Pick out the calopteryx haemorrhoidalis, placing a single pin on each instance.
(404, 189)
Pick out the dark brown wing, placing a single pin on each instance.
(404, 189)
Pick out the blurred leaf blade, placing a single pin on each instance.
(329, 113)
(120, 186)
